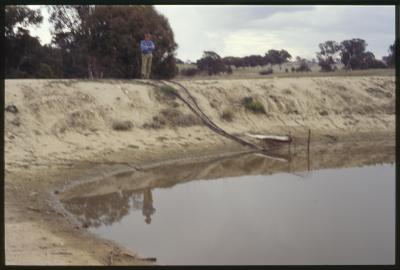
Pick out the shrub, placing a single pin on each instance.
(253, 105)
(122, 125)
(173, 118)
(190, 72)
(155, 124)
(373, 63)
(168, 91)
(266, 71)
(175, 104)
(227, 115)
(133, 146)
(304, 67)
(323, 113)
(11, 109)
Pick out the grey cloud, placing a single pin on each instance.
(236, 17)
(300, 28)
(334, 19)
(231, 30)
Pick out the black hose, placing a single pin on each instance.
(205, 119)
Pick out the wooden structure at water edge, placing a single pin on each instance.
(271, 138)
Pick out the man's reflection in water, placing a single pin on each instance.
(148, 208)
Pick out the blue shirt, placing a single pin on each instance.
(146, 46)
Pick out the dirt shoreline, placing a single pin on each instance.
(38, 230)
(49, 237)
(62, 133)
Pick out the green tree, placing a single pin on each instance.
(231, 61)
(328, 55)
(284, 57)
(103, 41)
(369, 61)
(21, 57)
(20, 17)
(303, 65)
(275, 57)
(390, 60)
(352, 52)
(254, 60)
(354, 55)
(211, 63)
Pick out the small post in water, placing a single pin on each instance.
(308, 149)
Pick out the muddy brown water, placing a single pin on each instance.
(251, 209)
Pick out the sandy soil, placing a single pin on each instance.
(63, 133)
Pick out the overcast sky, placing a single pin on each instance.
(244, 30)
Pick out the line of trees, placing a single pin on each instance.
(352, 54)
(95, 41)
(87, 42)
(272, 57)
(212, 63)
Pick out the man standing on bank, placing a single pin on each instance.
(146, 47)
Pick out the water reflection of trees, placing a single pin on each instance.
(104, 209)
(95, 210)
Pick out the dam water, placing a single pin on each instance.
(250, 210)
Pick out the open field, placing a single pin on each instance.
(253, 72)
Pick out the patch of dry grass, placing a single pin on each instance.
(168, 91)
(253, 72)
(173, 118)
(227, 115)
(122, 125)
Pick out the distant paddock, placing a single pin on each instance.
(253, 72)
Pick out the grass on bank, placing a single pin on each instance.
(122, 125)
(253, 105)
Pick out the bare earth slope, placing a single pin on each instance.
(61, 120)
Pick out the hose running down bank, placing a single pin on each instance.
(194, 107)
(207, 121)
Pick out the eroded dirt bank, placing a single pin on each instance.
(65, 131)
